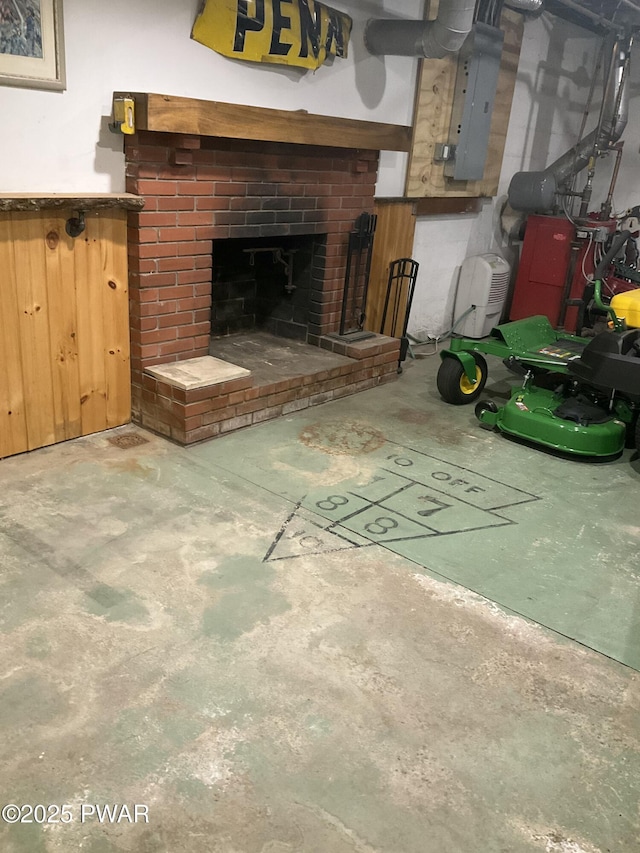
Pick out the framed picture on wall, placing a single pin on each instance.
(31, 44)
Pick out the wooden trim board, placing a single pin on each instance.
(72, 201)
(393, 239)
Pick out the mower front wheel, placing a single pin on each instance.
(482, 407)
(454, 384)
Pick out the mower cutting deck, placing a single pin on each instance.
(575, 425)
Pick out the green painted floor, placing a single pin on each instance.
(553, 539)
(309, 636)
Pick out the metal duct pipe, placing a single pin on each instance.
(631, 5)
(525, 5)
(529, 191)
(426, 39)
(614, 116)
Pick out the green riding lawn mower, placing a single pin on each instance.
(578, 396)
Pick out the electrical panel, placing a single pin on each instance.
(475, 92)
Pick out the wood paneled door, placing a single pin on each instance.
(64, 327)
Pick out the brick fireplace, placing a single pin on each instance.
(199, 191)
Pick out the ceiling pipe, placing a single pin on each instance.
(532, 6)
(613, 120)
(425, 39)
(531, 191)
(630, 5)
(600, 20)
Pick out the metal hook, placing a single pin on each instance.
(76, 225)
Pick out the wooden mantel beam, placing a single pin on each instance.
(169, 114)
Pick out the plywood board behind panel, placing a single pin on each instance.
(434, 103)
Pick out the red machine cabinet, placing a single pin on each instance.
(556, 264)
(542, 272)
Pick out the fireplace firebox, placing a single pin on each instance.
(267, 283)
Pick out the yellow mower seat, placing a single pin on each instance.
(627, 308)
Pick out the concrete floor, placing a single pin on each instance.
(307, 637)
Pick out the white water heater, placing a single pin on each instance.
(482, 287)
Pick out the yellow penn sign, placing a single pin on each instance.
(287, 32)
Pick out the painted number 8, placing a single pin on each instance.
(332, 502)
(381, 525)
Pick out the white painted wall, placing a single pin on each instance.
(556, 67)
(60, 142)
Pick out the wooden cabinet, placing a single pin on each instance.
(64, 327)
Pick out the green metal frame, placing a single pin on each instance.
(618, 325)
(524, 340)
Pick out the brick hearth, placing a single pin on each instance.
(201, 189)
